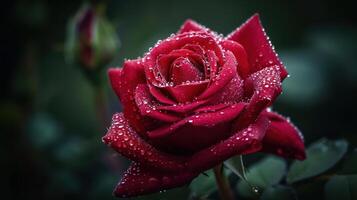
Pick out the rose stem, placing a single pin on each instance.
(224, 188)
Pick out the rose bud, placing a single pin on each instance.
(91, 40)
(194, 100)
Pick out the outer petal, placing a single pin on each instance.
(124, 82)
(123, 139)
(283, 138)
(242, 142)
(265, 86)
(139, 180)
(257, 45)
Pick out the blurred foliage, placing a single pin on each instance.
(48, 108)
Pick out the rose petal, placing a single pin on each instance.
(164, 62)
(283, 138)
(183, 70)
(205, 40)
(231, 93)
(139, 180)
(182, 108)
(145, 103)
(240, 54)
(125, 140)
(201, 119)
(211, 67)
(124, 82)
(229, 70)
(196, 132)
(159, 96)
(186, 92)
(261, 53)
(242, 142)
(266, 86)
(191, 25)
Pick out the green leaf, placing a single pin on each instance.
(265, 173)
(349, 165)
(341, 187)
(321, 156)
(278, 193)
(236, 165)
(205, 184)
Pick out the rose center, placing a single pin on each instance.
(183, 71)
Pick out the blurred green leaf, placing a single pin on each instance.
(305, 85)
(73, 152)
(236, 165)
(321, 156)
(263, 174)
(349, 165)
(103, 187)
(341, 187)
(43, 130)
(203, 185)
(278, 193)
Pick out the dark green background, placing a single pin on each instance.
(51, 140)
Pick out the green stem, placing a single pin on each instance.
(224, 188)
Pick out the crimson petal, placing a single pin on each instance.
(190, 25)
(182, 108)
(144, 101)
(229, 70)
(240, 54)
(257, 45)
(266, 86)
(124, 139)
(283, 138)
(124, 82)
(201, 119)
(183, 70)
(242, 142)
(139, 180)
(186, 92)
(159, 96)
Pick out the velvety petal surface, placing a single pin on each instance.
(261, 89)
(124, 82)
(229, 70)
(197, 131)
(148, 107)
(251, 35)
(124, 139)
(139, 180)
(283, 138)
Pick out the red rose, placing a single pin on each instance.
(193, 101)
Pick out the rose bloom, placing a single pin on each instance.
(194, 100)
